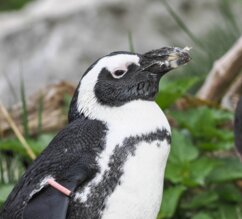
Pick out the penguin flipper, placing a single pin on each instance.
(70, 159)
(48, 204)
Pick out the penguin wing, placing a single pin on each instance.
(70, 159)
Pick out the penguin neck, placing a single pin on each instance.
(138, 116)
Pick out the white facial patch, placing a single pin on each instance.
(87, 102)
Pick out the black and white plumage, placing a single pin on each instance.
(113, 152)
(238, 127)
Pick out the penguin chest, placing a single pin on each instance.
(139, 190)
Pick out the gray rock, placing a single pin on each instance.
(53, 40)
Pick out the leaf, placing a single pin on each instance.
(201, 168)
(170, 201)
(5, 189)
(202, 199)
(36, 144)
(191, 173)
(182, 149)
(171, 91)
(215, 146)
(182, 152)
(229, 211)
(12, 144)
(204, 124)
(202, 216)
(229, 193)
(174, 172)
(229, 169)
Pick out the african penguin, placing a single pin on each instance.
(238, 128)
(113, 152)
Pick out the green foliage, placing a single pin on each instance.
(131, 44)
(36, 144)
(232, 167)
(171, 197)
(13, 156)
(10, 171)
(201, 216)
(201, 134)
(12, 4)
(207, 48)
(204, 123)
(13, 160)
(24, 108)
(171, 91)
(67, 102)
(201, 174)
(5, 189)
(198, 183)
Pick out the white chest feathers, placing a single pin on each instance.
(140, 191)
(133, 162)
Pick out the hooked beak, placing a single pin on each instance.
(163, 60)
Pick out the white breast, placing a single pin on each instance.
(140, 193)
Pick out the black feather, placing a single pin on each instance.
(238, 127)
(83, 140)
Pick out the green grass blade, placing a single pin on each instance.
(11, 87)
(230, 19)
(182, 25)
(24, 108)
(131, 44)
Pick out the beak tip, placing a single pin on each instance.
(187, 49)
(169, 57)
(179, 57)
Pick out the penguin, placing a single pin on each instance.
(238, 128)
(112, 154)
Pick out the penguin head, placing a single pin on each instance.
(121, 77)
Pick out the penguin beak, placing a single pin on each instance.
(163, 60)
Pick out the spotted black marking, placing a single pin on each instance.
(95, 204)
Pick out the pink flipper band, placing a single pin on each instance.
(59, 187)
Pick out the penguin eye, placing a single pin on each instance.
(119, 73)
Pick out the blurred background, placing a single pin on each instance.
(46, 46)
(51, 40)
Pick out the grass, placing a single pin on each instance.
(24, 108)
